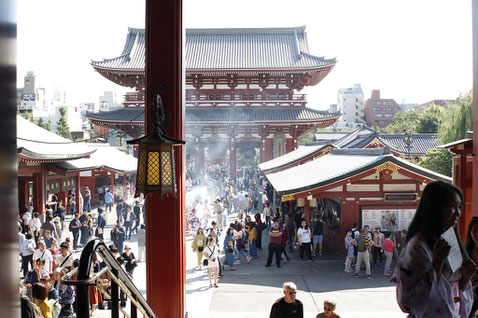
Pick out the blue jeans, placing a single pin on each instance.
(87, 205)
(229, 259)
(241, 252)
(253, 249)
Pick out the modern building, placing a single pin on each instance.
(350, 104)
(107, 102)
(242, 91)
(379, 112)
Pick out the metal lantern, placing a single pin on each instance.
(156, 170)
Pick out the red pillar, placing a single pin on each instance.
(77, 194)
(166, 276)
(39, 189)
(307, 210)
(475, 106)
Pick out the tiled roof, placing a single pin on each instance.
(134, 116)
(223, 115)
(105, 157)
(329, 135)
(294, 156)
(357, 139)
(421, 143)
(36, 143)
(228, 49)
(337, 166)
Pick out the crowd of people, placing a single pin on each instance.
(48, 247)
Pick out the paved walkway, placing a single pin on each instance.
(252, 288)
(250, 291)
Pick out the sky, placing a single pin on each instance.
(413, 51)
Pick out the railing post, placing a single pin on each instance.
(134, 312)
(114, 296)
(83, 301)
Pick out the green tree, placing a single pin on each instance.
(403, 121)
(308, 136)
(438, 160)
(430, 119)
(62, 125)
(43, 124)
(458, 118)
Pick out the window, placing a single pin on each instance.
(378, 115)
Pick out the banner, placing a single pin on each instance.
(383, 218)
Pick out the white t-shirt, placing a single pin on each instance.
(69, 261)
(211, 252)
(304, 235)
(45, 255)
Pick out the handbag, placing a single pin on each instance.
(205, 262)
(200, 248)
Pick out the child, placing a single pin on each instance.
(329, 308)
(388, 246)
(349, 251)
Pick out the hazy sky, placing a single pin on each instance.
(413, 50)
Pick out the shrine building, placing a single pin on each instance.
(242, 92)
(369, 186)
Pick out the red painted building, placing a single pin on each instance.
(241, 91)
(367, 186)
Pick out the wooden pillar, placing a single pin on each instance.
(9, 298)
(77, 194)
(166, 276)
(475, 106)
(39, 190)
(307, 210)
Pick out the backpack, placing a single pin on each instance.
(70, 226)
(361, 244)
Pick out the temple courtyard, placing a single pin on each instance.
(252, 288)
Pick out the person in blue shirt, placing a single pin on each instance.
(229, 245)
(108, 200)
(75, 226)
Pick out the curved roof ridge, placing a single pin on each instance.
(270, 30)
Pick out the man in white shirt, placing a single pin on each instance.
(66, 258)
(43, 254)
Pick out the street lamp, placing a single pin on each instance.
(156, 171)
(408, 142)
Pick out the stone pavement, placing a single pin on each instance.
(250, 291)
(252, 288)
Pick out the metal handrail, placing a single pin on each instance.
(118, 276)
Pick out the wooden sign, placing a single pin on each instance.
(400, 197)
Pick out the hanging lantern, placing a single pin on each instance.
(156, 171)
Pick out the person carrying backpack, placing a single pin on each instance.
(363, 242)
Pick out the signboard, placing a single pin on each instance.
(400, 197)
(382, 218)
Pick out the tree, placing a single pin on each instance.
(308, 136)
(430, 119)
(403, 121)
(438, 160)
(62, 125)
(458, 119)
(44, 125)
(29, 116)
